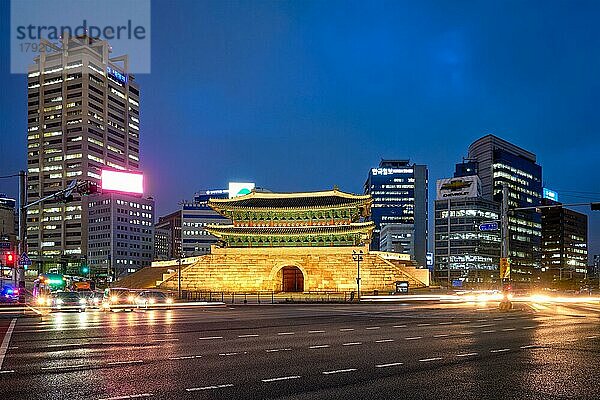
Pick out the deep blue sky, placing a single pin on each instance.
(309, 94)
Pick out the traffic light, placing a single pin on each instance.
(9, 259)
(595, 206)
(85, 269)
(87, 187)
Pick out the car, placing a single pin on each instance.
(150, 298)
(95, 298)
(10, 294)
(68, 301)
(119, 299)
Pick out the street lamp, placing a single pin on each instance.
(358, 257)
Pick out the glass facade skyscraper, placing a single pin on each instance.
(502, 163)
(399, 191)
(83, 116)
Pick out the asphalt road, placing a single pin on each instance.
(379, 351)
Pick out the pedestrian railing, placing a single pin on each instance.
(272, 297)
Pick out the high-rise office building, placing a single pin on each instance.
(169, 226)
(466, 253)
(399, 191)
(162, 244)
(501, 163)
(121, 226)
(196, 241)
(121, 234)
(564, 239)
(83, 116)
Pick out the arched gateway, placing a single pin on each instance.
(292, 279)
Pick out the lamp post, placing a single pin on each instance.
(358, 257)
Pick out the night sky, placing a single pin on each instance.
(306, 95)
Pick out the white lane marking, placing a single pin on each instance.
(489, 331)
(184, 357)
(352, 344)
(388, 365)
(210, 337)
(399, 326)
(316, 331)
(346, 329)
(466, 355)
(384, 341)
(283, 378)
(511, 317)
(8, 371)
(414, 338)
(165, 340)
(528, 327)
(319, 346)
(591, 337)
(6, 341)
(499, 350)
(464, 322)
(423, 324)
(482, 320)
(431, 359)
(497, 319)
(125, 362)
(67, 366)
(50, 346)
(370, 328)
(529, 346)
(210, 387)
(232, 354)
(276, 350)
(445, 323)
(339, 371)
(508, 329)
(286, 333)
(245, 336)
(441, 335)
(482, 326)
(131, 396)
(13, 347)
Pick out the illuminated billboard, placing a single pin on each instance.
(121, 181)
(550, 194)
(453, 188)
(240, 188)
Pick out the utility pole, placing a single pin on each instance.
(505, 230)
(19, 274)
(505, 304)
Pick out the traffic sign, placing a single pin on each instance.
(24, 260)
(5, 245)
(488, 226)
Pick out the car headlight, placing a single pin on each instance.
(41, 301)
(82, 301)
(114, 299)
(151, 301)
(169, 300)
(59, 301)
(130, 299)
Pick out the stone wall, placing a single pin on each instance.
(259, 269)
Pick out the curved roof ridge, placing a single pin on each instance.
(291, 195)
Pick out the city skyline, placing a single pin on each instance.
(373, 85)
